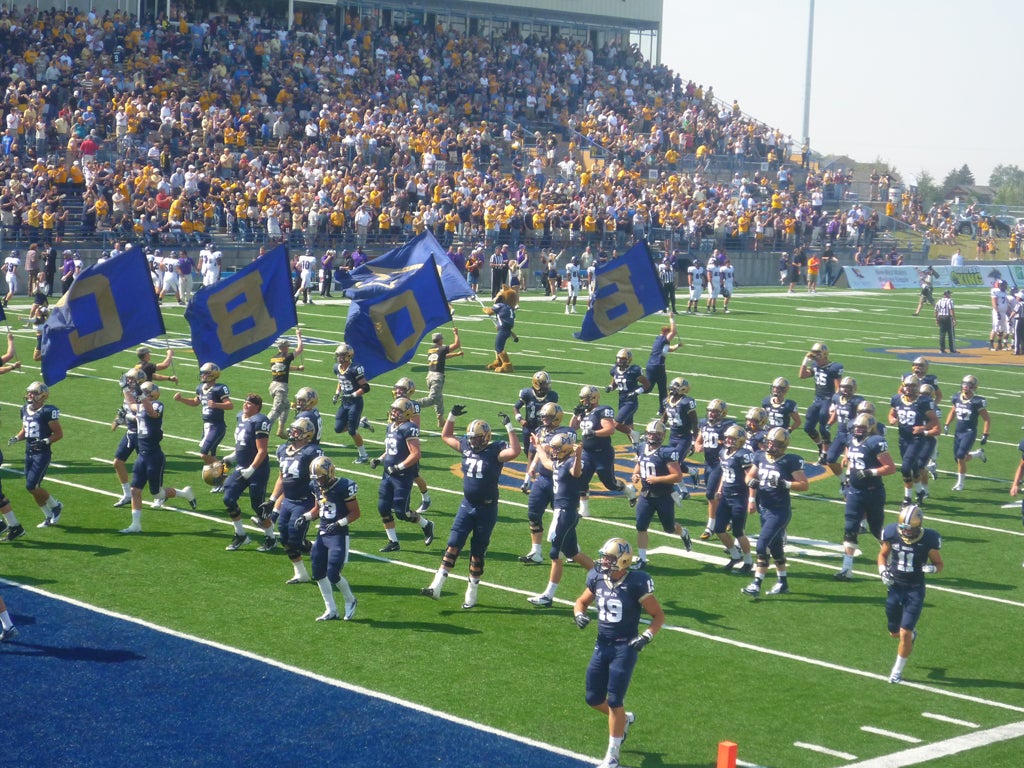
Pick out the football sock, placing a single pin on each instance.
(584, 507)
(748, 558)
(641, 553)
(614, 745)
(550, 591)
(960, 477)
(126, 488)
(345, 589)
(711, 523)
(782, 576)
(438, 581)
(136, 517)
(535, 549)
(423, 522)
(362, 452)
(239, 528)
(45, 509)
(392, 534)
(901, 662)
(10, 518)
(5, 620)
(847, 562)
(734, 552)
(328, 595)
(300, 570)
(426, 498)
(634, 436)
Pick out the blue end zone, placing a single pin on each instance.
(85, 689)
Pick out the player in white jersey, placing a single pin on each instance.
(211, 266)
(306, 263)
(714, 275)
(11, 265)
(695, 280)
(168, 277)
(728, 283)
(572, 275)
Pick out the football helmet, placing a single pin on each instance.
(776, 442)
(678, 387)
(919, 366)
(404, 387)
(780, 387)
(402, 410)
(209, 373)
(479, 434)
(541, 383)
(306, 399)
(615, 556)
(150, 390)
(551, 415)
(735, 437)
(36, 394)
(863, 425)
(911, 524)
(969, 384)
(561, 446)
(866, 406)
(344, 353)
(654, 433)
(910, 388)
(590, 396)
(301, 431)
(717, 409)
(213, 474)
(819, 352)
(926, 390)
(757, 419)
(847, 387)
(322, 470)
(623, 358)
(133, 377)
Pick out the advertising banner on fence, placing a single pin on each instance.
(943, 276)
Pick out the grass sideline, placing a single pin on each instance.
(809, 667)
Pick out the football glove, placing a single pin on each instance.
(887, 578)
(984, 439)
(525, 487)
(580, 410)
(122, 417)
(12, 440)
(505, 420)
(330, 530)
(515, 338)
(641, 641)
(753, 482)
(247, 472)
(928, 568)
(266, 509)
(300, 525)
(609, 387)
(945, 429)
(391, 469)
(582, 620)
(458, 410)
(639, 391)
(336, 398)
(374, 463)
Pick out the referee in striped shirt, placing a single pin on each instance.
(945, 318)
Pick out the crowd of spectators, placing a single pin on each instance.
(175, 131)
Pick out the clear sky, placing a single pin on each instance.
(925, 85)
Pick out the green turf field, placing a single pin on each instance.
(785, 678)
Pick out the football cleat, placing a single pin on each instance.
(733, 562)
(424, 505)
(189, 496)
(958, 487)
(630, 719)
(470, 599)
(47, 522)
(350, 609)
(541, 601)
(609, 762)
(747, 568)
(753, 589)
(8, 634)
(428, 534)
(361, 460)
(3, 525)
(328, 616)
(706, 534)
(124, 500)
(687, 541)
(132, 529)
(534, 559)
(365, 424)
(638, 564)
(268, 544)
(430, 592)
(391, 546)
(55, 513)
(159, 501)
(301, 580)
(779, 589)
(980, 454)
(844, 575)
(239, 541)
(896, 677)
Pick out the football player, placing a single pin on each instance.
(916, 418)
(908, 552)
(827, 375)
(291, 498)
(336, 507)
(695, 281)
(131, 392)
(215, 398)
(710, 440)
(352, 387)
(40, 428)
(148, 468)
(482, 461)
(10, 527)
(842, 410)
(531, 400)
(251, 458)
(306, 401)
(968, 407)
(679, 412)
(540, 478)
(756, 423)
(920, 369)
(656, 471)
(782, 411)
(867, 462)
(999, 337)
(772, 476)
(731, 493)
(401, 460)
(630, 382)
(655, 369)
(7, 629)
(619, 640)
(596, 424)
(405, 387)
(566, 467)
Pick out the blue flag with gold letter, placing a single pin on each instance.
(380, 275)
(239, 316)
(386, 328)
(627, 290)
(111, 306)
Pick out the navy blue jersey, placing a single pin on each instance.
(734, 471)
(295, 475)
(591, 423)
(332, 501)
(531, 403)
(678, 416)
(481, 471)
(349, 378)
(216, 392)
(36, 424)
(247, 432)
(396, 447)
(653, 462)
(779, 414)
(712, 436)
(151, 428)
(756, 439)
(771, 494)
(863, 454)
(658, 351)
(906, 560)
(132, 394)
(316, 420)
(825, 379)
(566, 487)
(910, 415)
(845, 410)
(618, 603)
(967, 411)
(626, 382)
(505, 315)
